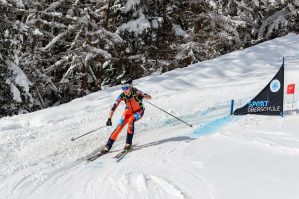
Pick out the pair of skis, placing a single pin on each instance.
(118, 156)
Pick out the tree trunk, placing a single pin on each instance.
(84, 80)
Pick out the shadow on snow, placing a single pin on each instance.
(173, 139)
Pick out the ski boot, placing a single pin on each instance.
(128, 147)
(104, 150)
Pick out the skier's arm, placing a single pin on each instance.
(111, 114)
(115, 105)
(144, 95)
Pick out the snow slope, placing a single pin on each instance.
(220, 157)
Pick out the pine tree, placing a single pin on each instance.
(65, 49)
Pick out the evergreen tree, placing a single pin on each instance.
(64, 49)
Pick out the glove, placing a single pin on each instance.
(109, 123)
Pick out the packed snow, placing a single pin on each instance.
(220, 157)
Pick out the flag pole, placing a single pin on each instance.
(293, 102)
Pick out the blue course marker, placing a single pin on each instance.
(212, 126)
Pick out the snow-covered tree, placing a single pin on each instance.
(14, 85)
(53, 51)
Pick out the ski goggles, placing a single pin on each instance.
(125, 87)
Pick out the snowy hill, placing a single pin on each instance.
(220, 157)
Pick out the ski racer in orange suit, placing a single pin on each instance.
(133, 112)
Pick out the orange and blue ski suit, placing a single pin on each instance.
(134, 111)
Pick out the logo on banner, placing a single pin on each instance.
(261, 106)
(275, 85)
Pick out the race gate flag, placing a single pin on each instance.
(291, 89)
(269, 101)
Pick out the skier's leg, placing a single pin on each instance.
(122, 123)
(130, 132)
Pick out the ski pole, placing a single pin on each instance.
(190, 125)
(87, 133)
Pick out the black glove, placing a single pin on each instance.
(109, 123)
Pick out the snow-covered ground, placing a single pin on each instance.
(220, 157)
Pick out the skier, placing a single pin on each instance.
(134, 111)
